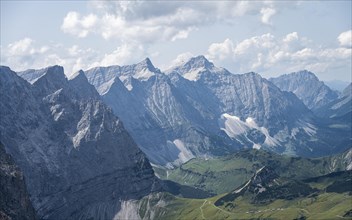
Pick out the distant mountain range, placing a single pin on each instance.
(196, 109)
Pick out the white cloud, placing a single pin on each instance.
(268, 54)
(220, 51)
(345, 39)
(155, 21)
(267, 13)
(291, 37)
(77, 25)
(26, 53)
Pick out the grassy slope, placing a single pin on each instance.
(318, 205)
(323, 206)
(223, 174)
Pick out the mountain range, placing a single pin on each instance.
(196, 109)
(84, 145)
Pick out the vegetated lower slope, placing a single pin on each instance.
(264, 195)
(222, 174)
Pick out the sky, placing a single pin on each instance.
(267, 37)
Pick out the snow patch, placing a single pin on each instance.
(143, 75)
(104, 88)
(256, 146)
(193, 75)
(126, 81)
(234, 126)
(129, 210)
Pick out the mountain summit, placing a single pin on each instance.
(306, 86)
(195, 67)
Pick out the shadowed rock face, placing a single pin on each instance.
(14, 198)
(78, 160)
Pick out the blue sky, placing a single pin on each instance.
(268, 37)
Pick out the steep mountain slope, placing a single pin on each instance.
(199, 110)
(78, 160)
(253, 112)
(14, 198)
(306, 86)
(339, 109)
(157, 114)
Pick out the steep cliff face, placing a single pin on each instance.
(78, 159)
(306, 86)
(14, 198)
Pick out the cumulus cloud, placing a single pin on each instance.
(267, 13)
(24, 53)
(267, 53)
(220, 51)
(345, 39)
(154, 21)
(79, 25)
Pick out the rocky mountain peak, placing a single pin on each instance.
(306, 86)
(78, 74)
(305, 74)
(252, 75)
(54, 74)
(52, 79)
(199, 61)
(146, 64)
(194, 68)
(82, 87)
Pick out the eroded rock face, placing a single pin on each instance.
(14, 198)
(77, 157)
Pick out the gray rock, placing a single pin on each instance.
(14, 198)
(306, 86)
(78, 160)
